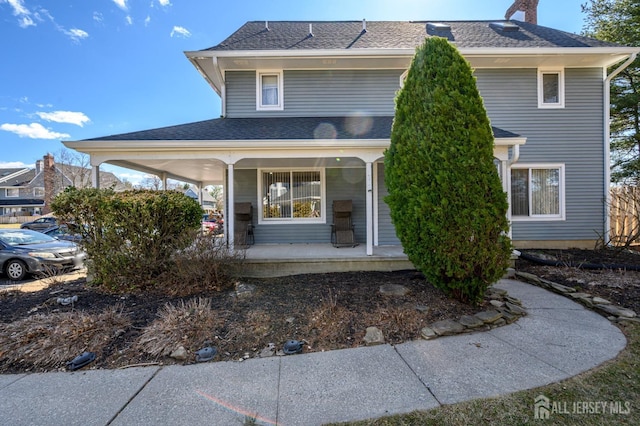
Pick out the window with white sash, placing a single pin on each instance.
(269, 90)
(537, 192)
(291, 195)
(551, 88)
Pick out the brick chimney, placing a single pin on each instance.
(529, 7)
(49, 174)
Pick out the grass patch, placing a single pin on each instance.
(616, 381)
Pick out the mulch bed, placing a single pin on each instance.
(326, 311)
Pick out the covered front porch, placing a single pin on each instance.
(271, 260)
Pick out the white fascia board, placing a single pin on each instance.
(231, 145)
(484, 51)
(510, 141)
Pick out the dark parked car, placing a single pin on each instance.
(40, 224)
(65, 232)
(23, 252)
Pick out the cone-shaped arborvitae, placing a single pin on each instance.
(446, 199)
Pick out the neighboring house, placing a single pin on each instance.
(207, 202)
(310, 105)
(28, 192)
(17, 195)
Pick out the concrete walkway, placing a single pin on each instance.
(558, 339)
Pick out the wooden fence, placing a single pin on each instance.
(624, 213)
(16, 219)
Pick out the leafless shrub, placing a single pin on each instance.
(208, 264)
(190, 324)
(332, 322)
(49, 341)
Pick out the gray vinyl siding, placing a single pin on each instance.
(341, 184)
(386, 230)
(572, 135)
(317, 93)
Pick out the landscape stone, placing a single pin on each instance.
(513, 300)
(393, 290)
(269, 351)
(428, 333)
(447, 327)
(617, 311)
(515, 309)
(243, 289)
(180, 354)
(601, 301)
(499, 323)
(470, 321)
(527, 276)
(373, 336)
(561, 288)
(422, 308)
(496, 303)
(488, 317)
(508, 316)
(624, 319)
(580, 295)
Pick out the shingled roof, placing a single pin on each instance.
(288, 35)
(277, 128)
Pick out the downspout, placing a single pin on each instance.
(607, 149)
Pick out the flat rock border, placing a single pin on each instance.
(602, 306)
(504, 309)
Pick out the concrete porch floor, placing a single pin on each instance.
(274, 260)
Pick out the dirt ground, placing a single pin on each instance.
(326, 311)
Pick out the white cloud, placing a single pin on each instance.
(13, 164)
(129, 20)
(76, 34)
(70, 117)
(147, 20)
(33, 131)
(180, 32)
(122, 4)
(164, 3)
(97, 16)
(19, 10)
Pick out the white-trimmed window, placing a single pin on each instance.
(269, 93)
(550, 88)
(38, 192)
(12, 192)
(537, 192)
(291, 195)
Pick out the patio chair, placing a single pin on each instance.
(243, 225)
(342, 234)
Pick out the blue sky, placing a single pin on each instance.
(79, 69)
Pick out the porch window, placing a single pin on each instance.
(537, 192)
(12, 192)
(551, 88)
(269, 90)
(292, 195)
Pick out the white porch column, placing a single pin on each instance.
(95, 176)
(369, 198)
(163, 177)
(230, 214)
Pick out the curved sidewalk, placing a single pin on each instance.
(556, 340)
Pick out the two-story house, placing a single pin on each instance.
(307, 109)
(29, 191)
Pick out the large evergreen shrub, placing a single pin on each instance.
(446, 200)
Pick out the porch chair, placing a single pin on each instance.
(342, 234)
(243, 224)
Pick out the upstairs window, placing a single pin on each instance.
(269, 90)
(38, 192)
(537, 192)
(12, 192)
(550, 88)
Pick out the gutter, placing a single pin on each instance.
(607, 149)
